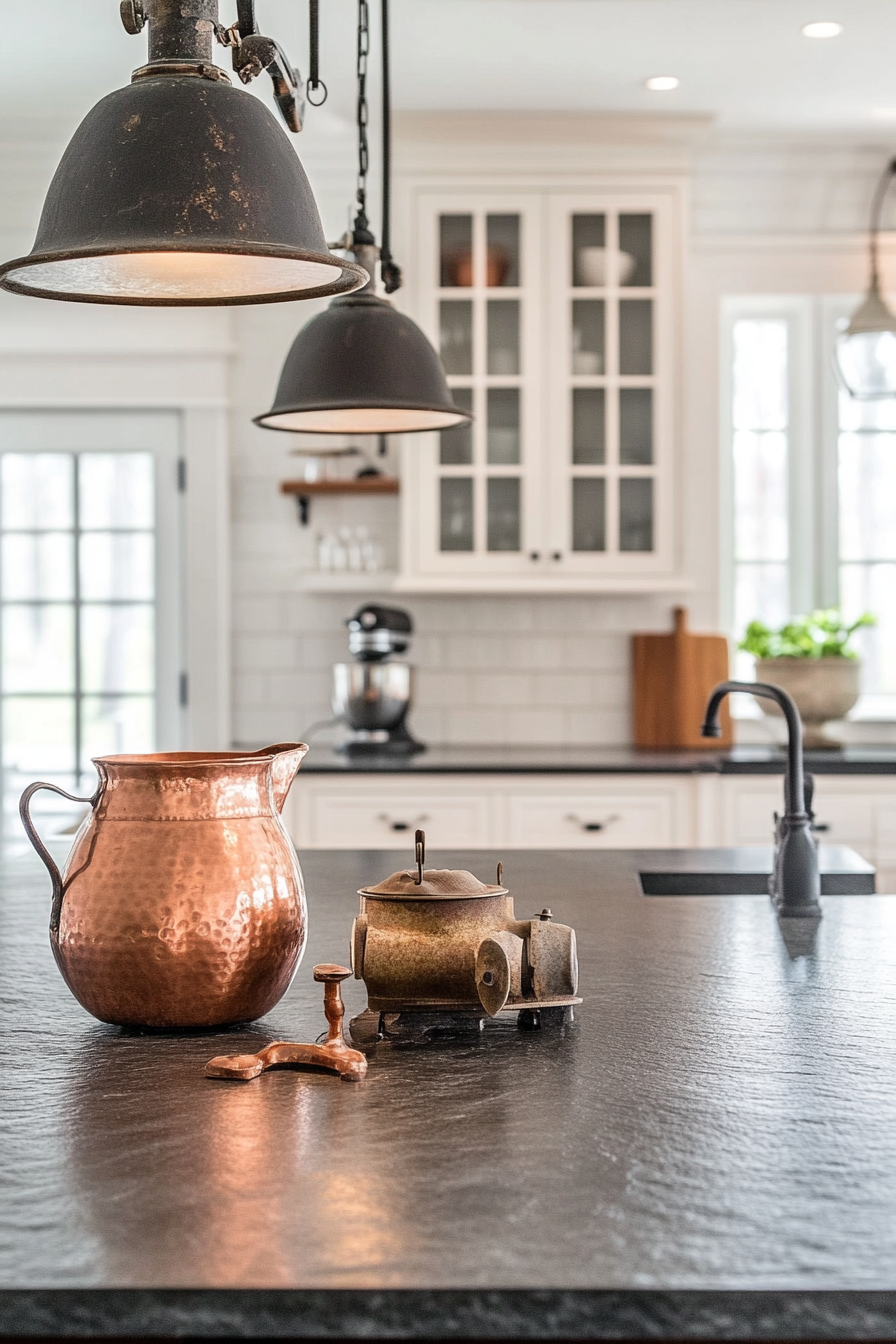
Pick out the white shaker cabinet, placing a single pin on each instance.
(579, 811)
(557, 314)
(485, 811)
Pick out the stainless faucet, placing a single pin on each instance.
(794, 885)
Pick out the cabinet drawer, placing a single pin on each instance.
(592, 821)
(389, 821)
(848, 818)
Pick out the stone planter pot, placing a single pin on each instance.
(822, 689)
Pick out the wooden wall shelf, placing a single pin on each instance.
(358, 485)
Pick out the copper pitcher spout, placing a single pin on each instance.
(181, 903)
(288, 756)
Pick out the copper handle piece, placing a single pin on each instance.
(42, 851)
(333, 1054)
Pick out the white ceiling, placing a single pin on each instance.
(743, 61)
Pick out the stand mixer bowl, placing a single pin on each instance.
(372, 697)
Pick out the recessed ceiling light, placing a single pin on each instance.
(662, 83)
(825, 29)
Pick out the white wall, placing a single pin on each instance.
(768, 215)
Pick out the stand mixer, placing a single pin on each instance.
(372, 695)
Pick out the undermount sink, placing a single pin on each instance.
(745, 870)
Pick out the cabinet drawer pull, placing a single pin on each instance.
(396, 824)
(592, 825)
(821, 826)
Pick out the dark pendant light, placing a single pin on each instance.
(361, 367)
(866, 349)
(181, 190)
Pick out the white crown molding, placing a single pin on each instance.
(543, 144)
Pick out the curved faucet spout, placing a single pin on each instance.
(794, 783)
(794, 885)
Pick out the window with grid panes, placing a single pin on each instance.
(791, 553)
(81, 612)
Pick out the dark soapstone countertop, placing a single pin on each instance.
(324, 759)
(708, 1152)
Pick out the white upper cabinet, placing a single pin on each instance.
(556, 314)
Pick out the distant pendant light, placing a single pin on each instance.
(181, 190)
(361, 367)
(866, 349)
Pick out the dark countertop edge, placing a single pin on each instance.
(712, 766)
(787, 1314)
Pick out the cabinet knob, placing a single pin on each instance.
(557, 555)
(535, 555)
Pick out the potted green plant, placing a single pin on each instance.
(810, 657)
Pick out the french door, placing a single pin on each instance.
(90, 606)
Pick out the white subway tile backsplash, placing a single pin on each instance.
(301, 690)
(543, 727)
(444, 689)
(502, 688)
(475, 726)
(264, 653)
(258, 613)
(490, 670)
(601, 727)
(593, 652)
(563, 688)
(427, 725)
(257, 727)
(473, 652)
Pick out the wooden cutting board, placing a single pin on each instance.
(674, 675)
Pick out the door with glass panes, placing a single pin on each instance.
(480, 504)
(90, 613)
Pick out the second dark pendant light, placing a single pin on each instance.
(360, 367)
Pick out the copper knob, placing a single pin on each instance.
(333, 1054)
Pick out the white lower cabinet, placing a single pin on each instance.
(386, 818)
(488, 811)
(600, 811)
(856, 810)
(611, 819)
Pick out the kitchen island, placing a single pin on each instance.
(709, 1151)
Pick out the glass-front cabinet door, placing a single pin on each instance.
(610, 384)
(481, 508)
(553, 314)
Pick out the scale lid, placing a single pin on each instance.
(415, 884)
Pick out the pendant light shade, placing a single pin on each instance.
(866, 350)
(180, 190)
(362, 368)
(865, 354)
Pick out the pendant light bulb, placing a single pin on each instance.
(181, 190)
(361, 367)
(865, 352)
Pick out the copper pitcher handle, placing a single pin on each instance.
(43, 852)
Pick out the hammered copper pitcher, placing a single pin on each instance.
(181, 903)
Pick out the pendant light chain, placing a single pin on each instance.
(314, 80)
(363, 111)
(390, 272)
